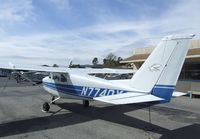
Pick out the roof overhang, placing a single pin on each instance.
(195, 58)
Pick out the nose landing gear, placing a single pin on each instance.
(46, 105)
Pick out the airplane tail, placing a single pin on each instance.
(159, 73)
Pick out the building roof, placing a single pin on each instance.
(135, 58)
(141, 54)
(195, 51)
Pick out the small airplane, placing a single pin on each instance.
(155, 81)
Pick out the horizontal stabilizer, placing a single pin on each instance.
(178, 94)
(128, 98)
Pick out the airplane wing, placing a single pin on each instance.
(33, 68)
(128, 98)
(65, 70)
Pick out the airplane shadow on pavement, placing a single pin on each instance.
(187, 132)
(79, 114)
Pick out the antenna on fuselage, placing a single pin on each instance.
(70, 64)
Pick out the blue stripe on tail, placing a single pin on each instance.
(163, 91)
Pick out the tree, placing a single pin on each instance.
(45, 65)
(111, 60)
(104, 61)
(111, 57)
(95, 61)
(55, 65)
(119, 59)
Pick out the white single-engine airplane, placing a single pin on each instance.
(155, 81)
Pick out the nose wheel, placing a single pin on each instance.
(46, 105)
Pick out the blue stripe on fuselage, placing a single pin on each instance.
(85, 91)
(162, 91)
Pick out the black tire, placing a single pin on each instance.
(46, 107)
(86, 103)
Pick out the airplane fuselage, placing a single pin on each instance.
(80, 87)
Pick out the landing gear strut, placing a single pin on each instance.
(46, 105)
(52, 99)
(86, 103)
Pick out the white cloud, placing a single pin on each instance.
(183, 18)
(81, 45)
(12, 10)
(117, 27)
(61, 4)
(61, 45)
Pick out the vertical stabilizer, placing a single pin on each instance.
(161, 70)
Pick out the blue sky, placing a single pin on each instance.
(58, 31)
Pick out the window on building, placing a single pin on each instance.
(190, 71)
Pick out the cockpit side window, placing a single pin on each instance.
(63, 78)
(56, 77)
(59, 77)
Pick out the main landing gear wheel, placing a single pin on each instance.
(46, 107)
(86, 103)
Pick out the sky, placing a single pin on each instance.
(51, 32)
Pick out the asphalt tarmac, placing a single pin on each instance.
(21, 117)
